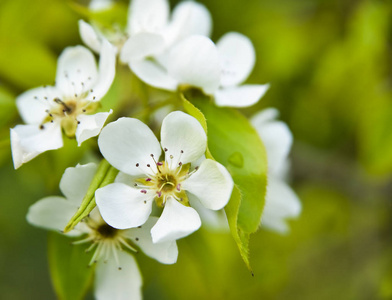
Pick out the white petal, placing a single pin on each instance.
(28, 141)
(195, 61)
(90, 125)
(76, 181)
(188, 18)
(147, 16)
(166, 252)
(237, 58)
(32, 105)
(152, 73)
(240, 96)
(89, 36)
(212, 219)
(107, 69)
(181, 132)
(122, 206)
(211, 184)
(98, 5)
(277, 139)
(52, 213)
(141, 45)
(127, 142)
(76, 71)
(176, 221)
(114, 284)
(281, 203)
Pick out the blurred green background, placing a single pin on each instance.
(329, 64)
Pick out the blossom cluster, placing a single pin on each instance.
(163, 189)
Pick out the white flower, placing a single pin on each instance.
(217, 70)
(117, 275)
(149, 30)
(281, 201)
(130, 146)
(66, 106)
(98, 5)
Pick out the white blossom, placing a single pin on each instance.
(130, 146)
(281, 201)
(217, 69)
(68, 106)
(150, 29)
(116, 275)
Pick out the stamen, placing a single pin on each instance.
(148, 179)
(178, 187)
(143, 191)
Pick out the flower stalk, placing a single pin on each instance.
(104, 176)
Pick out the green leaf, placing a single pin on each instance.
(241, 238)
(68, 264)
(198, 115)
(105, 175)
(234, 142)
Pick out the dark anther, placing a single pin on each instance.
(136, 239)
(148, 165)
(137, 164)
(41, 127)
(165, 149)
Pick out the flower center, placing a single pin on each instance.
(165, 181)
(107, 231)
(106, 240)
(66, 112)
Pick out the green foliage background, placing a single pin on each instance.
(329, 65)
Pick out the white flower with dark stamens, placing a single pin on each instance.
(117, 275)
(130, 146)
(149, 31)
(217, 70)
(68, 106)
(281, 201)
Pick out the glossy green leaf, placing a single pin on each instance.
(240, 237)
(235, 143)
(198, 115)
(69, 270)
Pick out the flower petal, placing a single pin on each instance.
(276, 137)
(33, 104)
(52, 213)
(142, 45)
(188, 18)
(147, 16)
(98, 5)
(281, 202)
(28, 141)
(90, 125)
(211, 184)
(122, 206)
(128, 142)
(107, 69)
(112, 283)
(176, 221)
(211, 219)
(241, 96)
(166, 252)
(76, 181)
(195, 61)
(237, 58)
(183, 137)
(76, 71)
(152, 73)
(89, 36)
